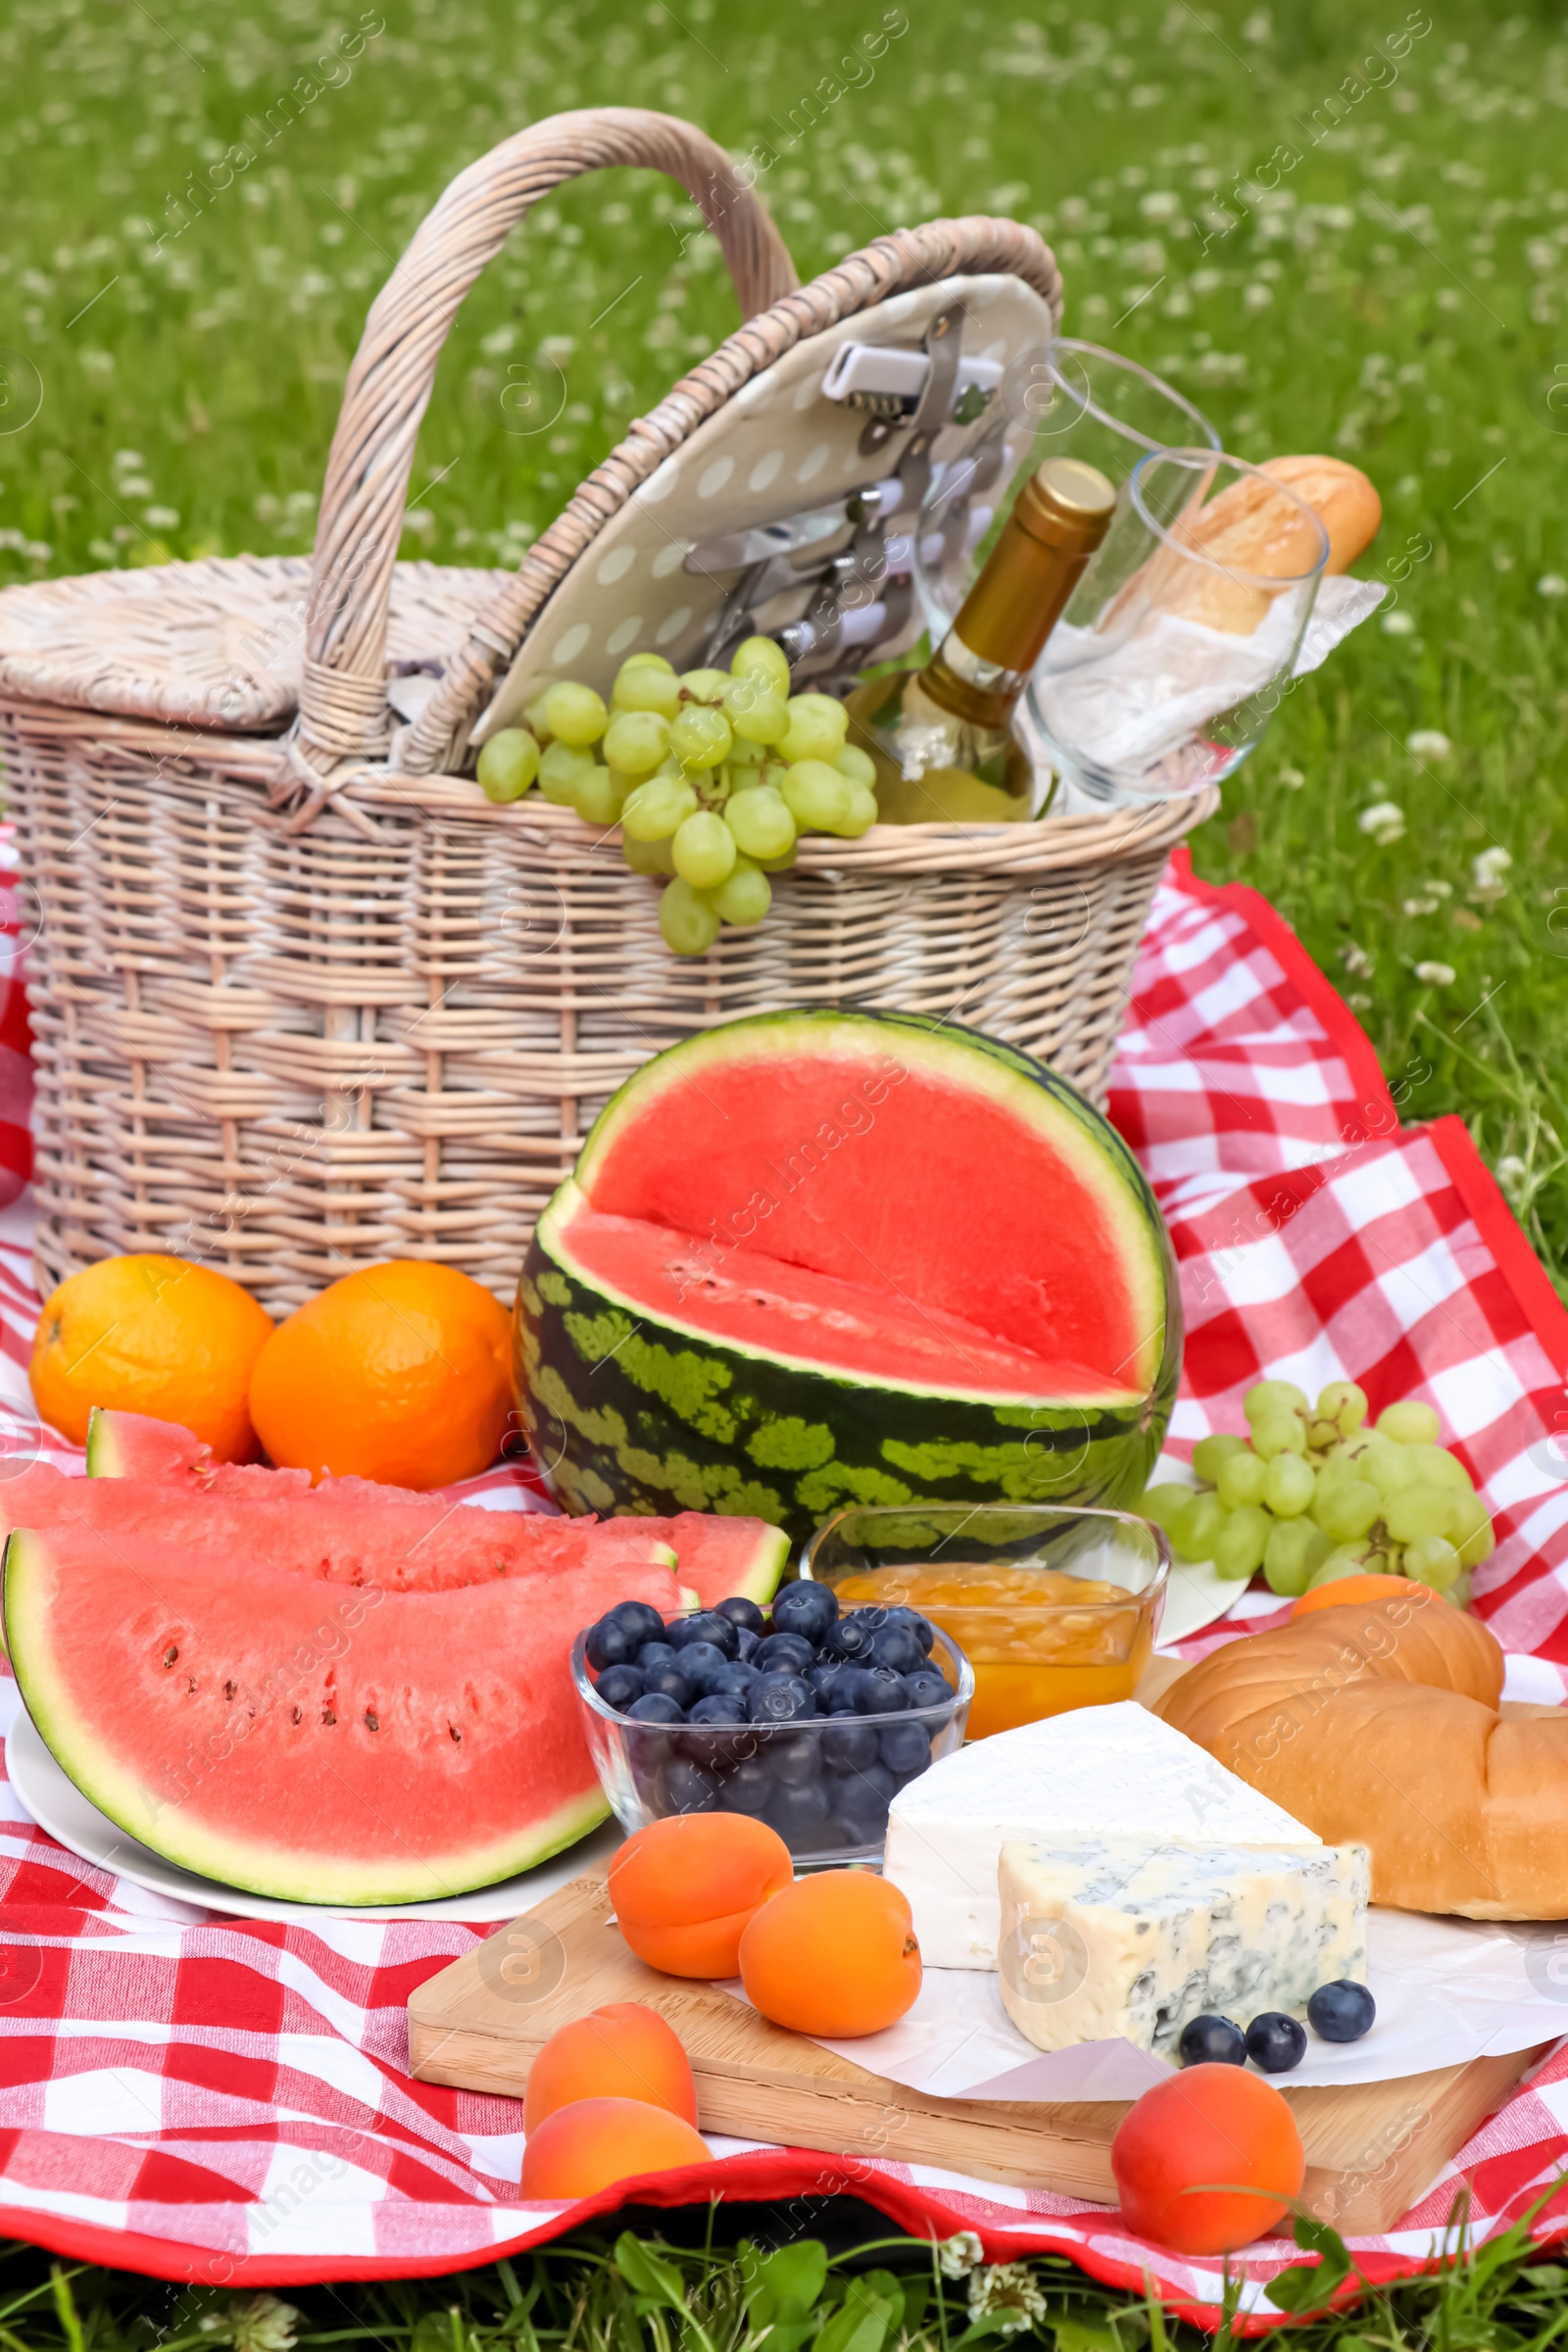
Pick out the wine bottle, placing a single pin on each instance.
(942, 738)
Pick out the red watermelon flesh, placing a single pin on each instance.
(123, 1444)
(359, 1747)
(891, 1158)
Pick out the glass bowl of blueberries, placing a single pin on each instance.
(806, 1716)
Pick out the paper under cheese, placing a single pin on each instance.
(1108, 1937)
(1097, 1772)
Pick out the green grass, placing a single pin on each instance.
(1400, 298)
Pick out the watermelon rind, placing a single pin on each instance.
(32, 1594)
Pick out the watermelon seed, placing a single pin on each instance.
(327, 1715)
(372, 1722)
(170, 1655)
(230, 1689)
(456, 1733)
(299, 1715)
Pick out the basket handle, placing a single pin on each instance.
(343, 695)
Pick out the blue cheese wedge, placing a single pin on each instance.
(1107, 1936)
(1097, 1772)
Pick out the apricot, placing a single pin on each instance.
(593, 2143)
(1207, 2161)
(835, 1955)
(623, 2051)
(683, 1889)
(1345, 1590)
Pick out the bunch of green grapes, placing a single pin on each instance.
(1313, 1494)
(712, 776)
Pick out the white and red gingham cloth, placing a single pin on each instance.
(226, 2102)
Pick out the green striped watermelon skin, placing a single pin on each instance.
(624, 1415)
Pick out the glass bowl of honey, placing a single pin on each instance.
(1053, 1608)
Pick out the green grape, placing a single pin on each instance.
(817, 796)
(643, 687)
(700, 737)
(601, 796)
(648, 857)
(1289, 1485)
(1346, 1508)
(1197, 1530)
(746, 896)
(1211, 1453)
(575, 714)
(1432, 1560)
(1164, 1503)
(1241, 1480)
(706, 686)
(862, 811)
(748, 756)
(1242, 1542)
(562, 773)
(655, 809)
(760, 821)
(637, 742)
(755, 711)
(534, 715)
(818, 727)
(1345, 1404)
(688, 923)
(1410, 1424)
(508, 764)
(858, 765)
(1470, 1528)
(780, 864)
(1441, 1468)
(705, 850)
(760, 658)
(1390, 1467)
(1349, 1559)
(1278, 1431)
(1273, 1395)
(1295, 1549)
(1417, 1511)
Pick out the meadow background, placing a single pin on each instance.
(173, 351)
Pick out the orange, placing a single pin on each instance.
(1342, 1590)
(400, 1373)
(593, 2143)
(1207, 2161)
(833, 1955)
(151, 1335)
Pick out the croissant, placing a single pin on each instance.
(1379, 1723)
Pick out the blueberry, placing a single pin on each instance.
(895, 1646)
(880, 1692)
(687, 1788)
(822, 1679)
(654, 1706)
(619, 1685)
(747, 1642)
(669, 1681)
(1342, 2011)
(638, 1619)
(806, 1609)
(1211, 2042)
(793, 1757)
(718, 1706)
(748, 1788)
(701, 1664)
(928, 1689)
(707, 1626)
(924, 1631)
(1276, 2042)
(791, 1652)
(800, 1816)
(904, 1748)
(861, 1804)
(735, 1678)
(841, 1690)
(718, 1732)
(656, 1653)
(849, 1638)
(849, 1745)
(744, 1615)
(780, 1698)
(609, 1644)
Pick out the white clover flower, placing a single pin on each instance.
(1551, 584)
(1428, 743)
(254, 2323)
(1434, 975)
(1005, 2293)
(1384, 821)
(1291, 778)
(1512, 1175)
(1398, 625)
(1420, 906)
(1357, 962)
(957, 2256)
(1487, 872)
(162, 518)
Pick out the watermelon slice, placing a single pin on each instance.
(353, 1748)
(124, 1444)
(813, 1259)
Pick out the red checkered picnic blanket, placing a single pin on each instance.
(222, 2101)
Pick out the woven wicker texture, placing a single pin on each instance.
(296, 1011)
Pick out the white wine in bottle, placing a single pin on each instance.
(942, 737)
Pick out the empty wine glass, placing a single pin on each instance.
(1182, 635)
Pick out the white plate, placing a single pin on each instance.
(60, 1807)
(1196, 1595)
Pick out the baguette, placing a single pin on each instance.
(1378, 1724)
(1252, 532)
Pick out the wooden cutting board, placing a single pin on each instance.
(1372, 2149)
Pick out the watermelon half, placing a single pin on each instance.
(323, 1745)
(817, 1258)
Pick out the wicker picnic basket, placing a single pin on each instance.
(303, 999)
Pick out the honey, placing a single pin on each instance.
(1040, 1640)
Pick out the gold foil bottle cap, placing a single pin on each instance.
(1066, 504)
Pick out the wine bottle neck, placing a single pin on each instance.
(961, 682)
